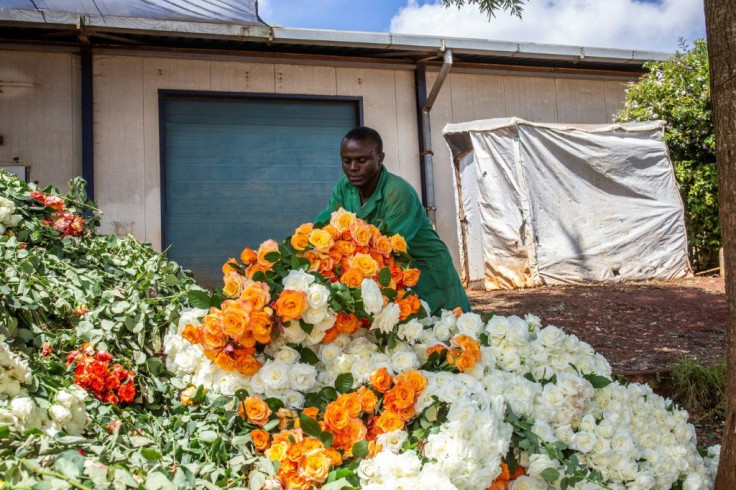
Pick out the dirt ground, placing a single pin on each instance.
(641, 328)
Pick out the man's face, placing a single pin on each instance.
(360, 162)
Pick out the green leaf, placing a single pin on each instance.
(199, 299)
(158, 481)
(308, 356)
(328, 394)
(69, 463)
(25, 335)
(360, 450)
(307, 327)
(384, 277)
(344, 383)
(274, 404)
(309, 426)
(150, 454)
(550, 475)
(597, 381)
(272, 256)
(337, 485)
(326, 438)
(4, 431)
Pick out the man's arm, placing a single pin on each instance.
(404, 212)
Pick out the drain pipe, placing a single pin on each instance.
(426, 137)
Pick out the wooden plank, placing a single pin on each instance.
(119, 144)
(477, 97)
(162, 73)
(304, 79)
(231, 76)
(615, 93)
(530, 98)
(580, 101)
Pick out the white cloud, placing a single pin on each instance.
(623, 24)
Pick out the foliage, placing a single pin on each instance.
(677, 91)
(701, 389)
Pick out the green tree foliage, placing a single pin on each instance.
(677, 91)
(489, 7)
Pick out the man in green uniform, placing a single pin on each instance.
(379, 197)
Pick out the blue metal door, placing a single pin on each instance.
(238, 171)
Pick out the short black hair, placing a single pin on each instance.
(363, 133)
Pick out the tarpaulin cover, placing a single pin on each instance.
(228, 11)
(565, 203)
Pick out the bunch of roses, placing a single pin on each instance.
(62, 220)
(93, 372)
(230, 334)
(400, 395)
(463, 354)
(67, 413)
(7, 218)
(14, 372)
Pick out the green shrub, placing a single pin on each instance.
(677, 91)
(700, 389)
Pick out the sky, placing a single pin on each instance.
(648, 25)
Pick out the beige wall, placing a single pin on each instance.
(40, 117)
(40, 114)
(127, 133)
(468, 97)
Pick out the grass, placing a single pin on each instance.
(701, 390)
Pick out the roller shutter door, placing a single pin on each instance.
(238, 171)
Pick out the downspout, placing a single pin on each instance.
(426, 133)
(88, 159)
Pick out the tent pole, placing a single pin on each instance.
(426, 154)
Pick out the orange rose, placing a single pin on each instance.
(299, 241)
(235, 321)
(304, 229)
(389, 421)
(230, 266)
(347, 322)
(261, 439)
(400, 396)
(414, 302)
(346, 247)
(352, 278)
(295, 435)
(465, 362)
(225, 362)
(330, 335)
(368, 399)
(406, 414)
(336, 417)
(397, 275)
(404, 308)
(311, 412)
(295, 453)
(255, 410)
(266, 248)
(291, 304)
(382, 245)
(262, 326)
(458, 312)
(248, 365)
(351, 403)
(398, 243)
(277, 451)
(332, 231)
(255, 268)
(248, 256)
(335, 457)
(293, 481)
(257, 294)
(233, 285)
(356, 431)
(381, 380)
(361, 233)
(247, 339)
(321, 240)
(415, 379)
(411, 277)
(214, 340)
(365, 264)
(342, 220)
(192, 333)
(314, 258)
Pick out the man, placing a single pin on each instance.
(379, 197)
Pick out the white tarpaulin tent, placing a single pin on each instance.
(565, 203)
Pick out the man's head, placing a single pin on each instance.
(361, 151)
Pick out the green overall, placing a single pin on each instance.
(396, 205)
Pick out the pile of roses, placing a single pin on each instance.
(93, 372)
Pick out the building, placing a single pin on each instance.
(210, 130)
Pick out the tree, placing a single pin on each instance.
(720, 27)
(677, 91)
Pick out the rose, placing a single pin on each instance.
(402, 361)
(233, 285)
(298, 280)
(314, 315)
(392, 441)
(371, 295)
(365, 264)
(275, 375)
(583, 441)
(318, 296)
(264, 249)
(321, 240)
(551, 336)
(299, 242)
(386, 319)
(293, 332)
(287, 355)
(398, 243)
(60, 414)
(291, 304)
(342, 219)
(470, 324)
(411, 277)
(411, 331)
(302, 376)
(315, 467)
(255, 410)
(497, 326)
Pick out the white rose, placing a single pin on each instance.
(342, 341)
(367, 470)
(392, 441)
(361, 371)
(293, 333)
(411, 331)
(60, 414)
(403, 361)
(517, 334)
(583, 441)
(314, 315)
(386, 319)
(497, 326)
(328, 353)
(293, 399)
(551, 336)
(189, 316)
(470, 324)
(302, 377)
(315, 337)
(527, 483)
(22, 408)
(298, 280)
(442, 331)
(538, 463)
(287, 355)
(372, 297)
(185, 361)
(275, 375)
(318, 296)
(622, 442)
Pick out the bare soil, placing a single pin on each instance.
(641, 328)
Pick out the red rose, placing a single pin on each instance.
(127, 392)
(38, 196)
(96, 383)
(112, 382)
(103, 356)
(110, 397)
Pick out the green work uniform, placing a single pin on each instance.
(396, 204)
